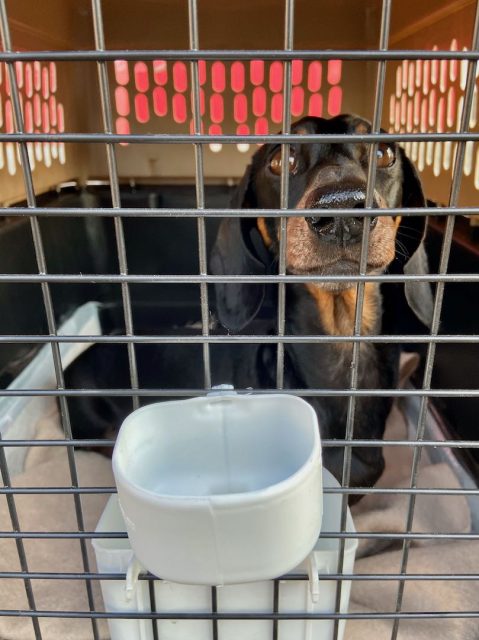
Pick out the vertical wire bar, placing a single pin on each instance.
(285, 150)
(200, 186)
(214, 609)
(47, 299)
(99, 35)
(152, 596)
(275, 608)
(438, 301)
(360, 289)
(18, 541)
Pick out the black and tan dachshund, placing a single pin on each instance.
(329, 176)
(322, 176)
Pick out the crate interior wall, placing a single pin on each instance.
(236, 96)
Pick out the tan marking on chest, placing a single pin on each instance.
(337, 309)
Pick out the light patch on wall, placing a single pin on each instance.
(335, 99)
(180, 77)
(421, 156)
(47, 156)
(261, 127)
(447, 155)
(38, 151)
(276, 76)
(297, 72)
(429, 152)
(215, 130)
(316, 105)
(242, 130)
(297, 101)
(473, 117)
(277, 108)
(414, 151)
(160, 72)
(11, 162)
(61, 153)
(436, 168)
(468, 158)
(237, 77)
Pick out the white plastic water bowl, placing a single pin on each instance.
(114, 555)
(223, 489)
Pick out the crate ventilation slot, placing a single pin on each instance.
(42, 113)
(251, 91)
(429, 97)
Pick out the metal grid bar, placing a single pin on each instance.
(333, 535)
(200, 188)
(438, 303)
(194, 279)
(276, 138)
(136, 212)
(8, 490)
(236, 54)
(458, 444)
(240, 339)
(290, 577)
(152, 597)
(284, 197)
(51, 323)
(115, 192)
(184, 393)
(177, 615)
(360, 288)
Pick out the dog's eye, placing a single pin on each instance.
(386, 155)
(275, 164)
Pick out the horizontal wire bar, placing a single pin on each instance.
(277, 138)
(174, 615)
(354, 535)
(237, 54)
(184, 393)
(113, 278)
(238, 339)
(453, 444)
(329, 490)
(291, 577)
(170, 212)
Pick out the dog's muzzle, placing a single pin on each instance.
(337, 229)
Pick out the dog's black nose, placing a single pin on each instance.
(339, 229)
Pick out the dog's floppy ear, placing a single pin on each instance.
(239, 250)
(411, 254)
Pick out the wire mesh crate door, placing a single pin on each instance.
(220, 104)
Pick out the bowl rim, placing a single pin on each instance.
(269, 492)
